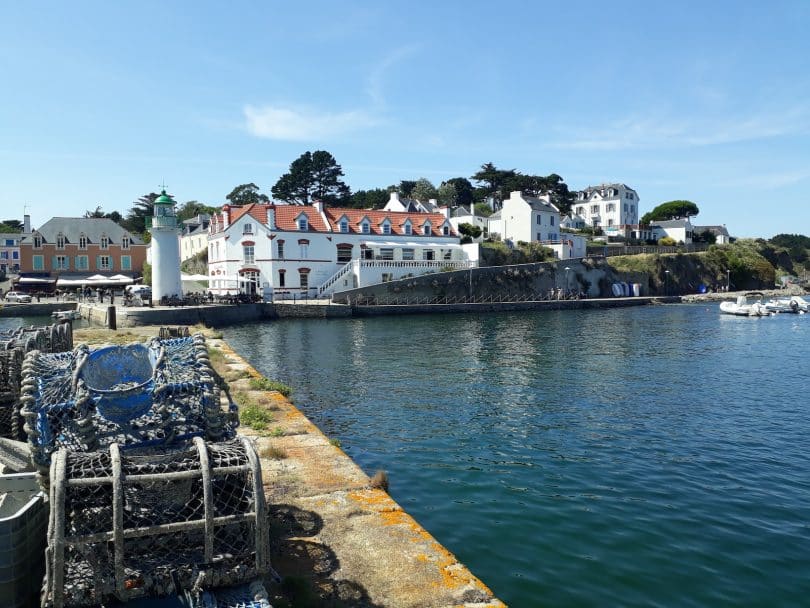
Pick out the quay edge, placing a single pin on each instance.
(355, 535)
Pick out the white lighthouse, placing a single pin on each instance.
(165, 249)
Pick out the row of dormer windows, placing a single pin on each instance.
(365, 227)
(61, 241)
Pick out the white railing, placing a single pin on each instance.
(336, 277)
(357, 266)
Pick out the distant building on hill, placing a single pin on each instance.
(194, 236)
(613, 208)
(720, 233)
(679, 230)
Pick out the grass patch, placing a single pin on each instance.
(335, 442)
(251, 414)
(265, 384)
(273, 452)
(218, 361)
(277, 432)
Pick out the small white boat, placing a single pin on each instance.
(66, 315)
(743, 308)
(793, 305)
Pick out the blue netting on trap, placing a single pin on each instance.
(139, 396)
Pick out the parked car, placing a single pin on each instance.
(17, 296)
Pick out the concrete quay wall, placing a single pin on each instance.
(35, 309)
(332, 527)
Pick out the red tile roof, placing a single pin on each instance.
(286, 216)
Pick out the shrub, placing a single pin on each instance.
(265, 384)
(666, 241)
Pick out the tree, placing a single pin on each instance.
(447, 195)
(368, 199)
(406, 188)
(483, 209)
(464, 190)
(670, 211)
(144, 207)
(469, 230)
(191, 209)
(313, 176)
(424, 190)
(11, 226)
(497, 182)
(98, 212)
(246, 194)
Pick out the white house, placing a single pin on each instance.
(526, 218)
(291, 250)
(680, 230)
(611, 207)
(194, 236)
(411, 205)
(463, 215)
(720, 233)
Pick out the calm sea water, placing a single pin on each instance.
(652, 456)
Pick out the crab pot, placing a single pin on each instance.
(140, 396)
(125, 526)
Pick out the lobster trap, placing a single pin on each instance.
(14, 345)
(128, 526)
(139, 396)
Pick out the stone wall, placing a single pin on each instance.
(591, 276)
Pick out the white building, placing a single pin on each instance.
(411, 205)
(308, 251)
(720, 233)
(680, 230)
(463, 215)
(611, 207)
(194, 237)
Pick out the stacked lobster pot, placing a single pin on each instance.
(14, 345)
(151, 492)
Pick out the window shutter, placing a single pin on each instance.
(98, 262)
(53, 263)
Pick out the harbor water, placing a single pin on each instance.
(650, 456)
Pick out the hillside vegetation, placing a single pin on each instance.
(745, 264)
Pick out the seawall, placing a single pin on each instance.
(223, 315)
(348, 540)
(35, 309)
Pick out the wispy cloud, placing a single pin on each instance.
(662, 131)
(376, 79)
(289, 123)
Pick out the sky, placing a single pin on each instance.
(102, 102)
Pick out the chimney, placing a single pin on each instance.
(318, 205)
(271, 217)
(26, 224)
(226, 216)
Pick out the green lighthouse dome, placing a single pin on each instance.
(164, 199)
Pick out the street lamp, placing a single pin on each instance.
(728, 279)
(666, 282)
(566, 278)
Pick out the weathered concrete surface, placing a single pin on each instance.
(34, 309)
(352, 543)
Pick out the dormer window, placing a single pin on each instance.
(60, 241)
(406, 228)
(247, 228)
(365, 228)
(386, 227)
(125, 242)
(446, 230)
(426, 229)
(104, 242)
(344, 225)
(82, 241)
(303, 223)
(37, 241)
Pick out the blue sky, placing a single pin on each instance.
(102, 101)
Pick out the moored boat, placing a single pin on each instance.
(743, 308)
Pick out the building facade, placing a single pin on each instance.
(194, 236)
(679, 230)
(308, 251)
(611, 207)
(81, 246)
(10, 252)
